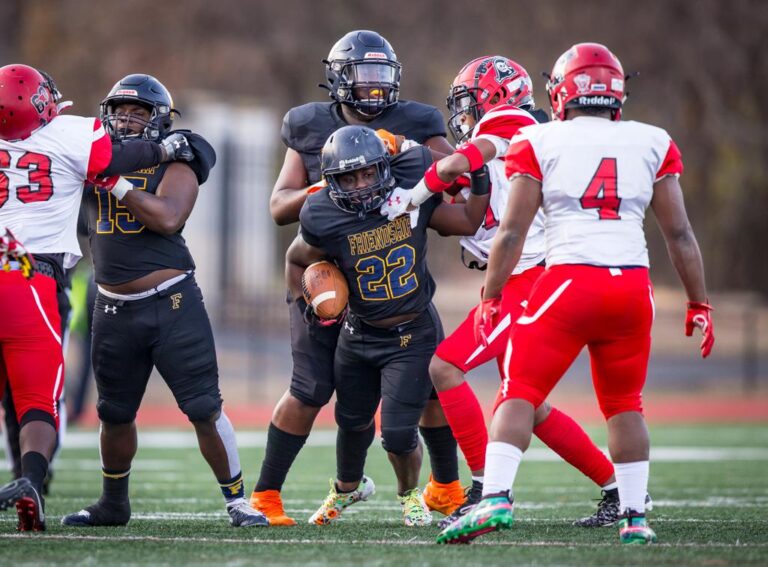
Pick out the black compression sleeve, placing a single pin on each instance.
(132, 155)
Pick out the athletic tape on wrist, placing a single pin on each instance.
(121, 188)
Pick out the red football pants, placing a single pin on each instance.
(609, 310)
(460, 347)
(30, 345)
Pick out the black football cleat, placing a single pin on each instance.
(29, 504)
(102, 513)
(473, 495)
(608, 512)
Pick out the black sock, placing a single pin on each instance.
(34, 466)
(282, 448)
(443, 457)
(115, 485)
(351, 451)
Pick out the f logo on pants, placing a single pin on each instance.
(175, 301)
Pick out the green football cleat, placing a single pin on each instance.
(634, 529)
(415, 510)
(335, 503)
(494, 512)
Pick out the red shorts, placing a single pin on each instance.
(461, 349)
(609, 310)
(30, 345)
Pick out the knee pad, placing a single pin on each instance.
(350, 421)
(110, 412)
(201, 408)
(400, 441)
(316, 398)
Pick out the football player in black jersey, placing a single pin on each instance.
(363, 79)
(149, 311)
(392, 328)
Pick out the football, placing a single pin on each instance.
(325, 289)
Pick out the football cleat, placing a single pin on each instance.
(492, 513)
(335, 503)
(634, 529)
(473, 495)
(103, 513)
(241, 515)
(608, 510)
(415, 510)
(29, 504)
(444, 498)
(269, 503)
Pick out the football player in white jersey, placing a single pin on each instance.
(44, 160)
(594, 176)
(490, 100)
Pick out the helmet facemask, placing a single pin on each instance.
(368, 86)
(118, 124)
(462, 101)
(360, 200)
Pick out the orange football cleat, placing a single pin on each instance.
(269, 503)
(444, 498)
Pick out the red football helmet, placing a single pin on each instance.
(27, 101)
(484, 83)
(588, 74)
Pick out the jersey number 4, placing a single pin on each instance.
(40, 186)
(602, 192)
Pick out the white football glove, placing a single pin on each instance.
(397, 204)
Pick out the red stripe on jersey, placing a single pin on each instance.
(101, 150)
(673, 162)
(503, 122)
(521, 159)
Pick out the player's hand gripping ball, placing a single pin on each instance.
(325, 289)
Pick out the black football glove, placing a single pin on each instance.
(177, 148)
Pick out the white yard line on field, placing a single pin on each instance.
(345, 542)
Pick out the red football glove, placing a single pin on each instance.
(486, 318)
(699, 316)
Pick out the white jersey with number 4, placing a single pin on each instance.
(498, 126)
(41, 183)
(597, 180)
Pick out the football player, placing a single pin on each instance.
(594, 176)
(390, 333)
(149, 310)
(44, 159)
(363, 80)
(490, 100)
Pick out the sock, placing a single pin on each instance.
(566, 438)
(465, 416)
(632, 479)
(479, 479)
(610, 486)
(232, 489)
(34, 466)
(115, 485)
(282, 448)
(443, 457)
(227, 435)
(351, 451)
(501, 463)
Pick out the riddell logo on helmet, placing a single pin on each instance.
(374, 55)
(597, 100)
(128, 92)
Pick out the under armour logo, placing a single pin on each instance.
(348, 327)
(111, 309)
(404, 340)
(175, 300)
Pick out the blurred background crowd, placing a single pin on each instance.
(235, 67)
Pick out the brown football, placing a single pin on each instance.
(325, 289)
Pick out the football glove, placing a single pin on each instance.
(699, 316)
(115, 184)
(393, 142)
(398, 203)
(311, 318)
(177, 148)
(486, 318)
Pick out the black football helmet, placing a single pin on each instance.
(145, 91)
(351, 148)
(362, 72)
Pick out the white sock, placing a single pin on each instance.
(501, 463)
(610, 486)
(227, 434)
(479, 479)
(632, 479)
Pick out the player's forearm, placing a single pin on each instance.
(156, 213)
(684, 252)
(285, 205)
(133, 155)
(504, 256)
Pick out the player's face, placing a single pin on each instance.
(131, 119)
(359, 178)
